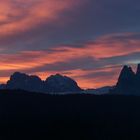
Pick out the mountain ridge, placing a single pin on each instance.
(53, 84)
(128, 82)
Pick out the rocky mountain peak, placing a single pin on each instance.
(138, 70)
(128, 81)
(61, 83)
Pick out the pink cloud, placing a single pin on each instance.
(19, 15)
(100, 49)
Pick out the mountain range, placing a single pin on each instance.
(128, 82)
(53, 84)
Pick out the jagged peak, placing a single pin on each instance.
(126, 74)
(35, 77)
(20, 77)
(127, 70)
(16, 75)
(61, 83)
(54, 83)
(58, 76)
(138, 69)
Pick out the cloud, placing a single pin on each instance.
(41, 24)
(86, 39)
(20, 16)
(90, 62)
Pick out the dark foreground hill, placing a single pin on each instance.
(39, 116)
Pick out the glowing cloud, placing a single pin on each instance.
(97, 63)
(19, 15)
(44, 37)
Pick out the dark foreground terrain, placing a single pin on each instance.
(38, 116)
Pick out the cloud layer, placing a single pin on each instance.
(92, 64)
(19, 15)
(85, 39)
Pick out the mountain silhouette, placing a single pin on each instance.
(25, 82)
(54, 83)
(138, 70)
(61, 84)
(128, 82)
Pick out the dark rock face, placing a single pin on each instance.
(61, 83)
(137, 83)
(138, 70)
(55, 83)
(128, 82)
(25, 82)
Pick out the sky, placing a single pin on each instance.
(88, 40)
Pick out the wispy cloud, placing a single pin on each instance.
(85, 39)
(95, 62)
(19, 15)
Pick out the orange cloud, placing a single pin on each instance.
(19, 15)
(105, 47)
(102, 48)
